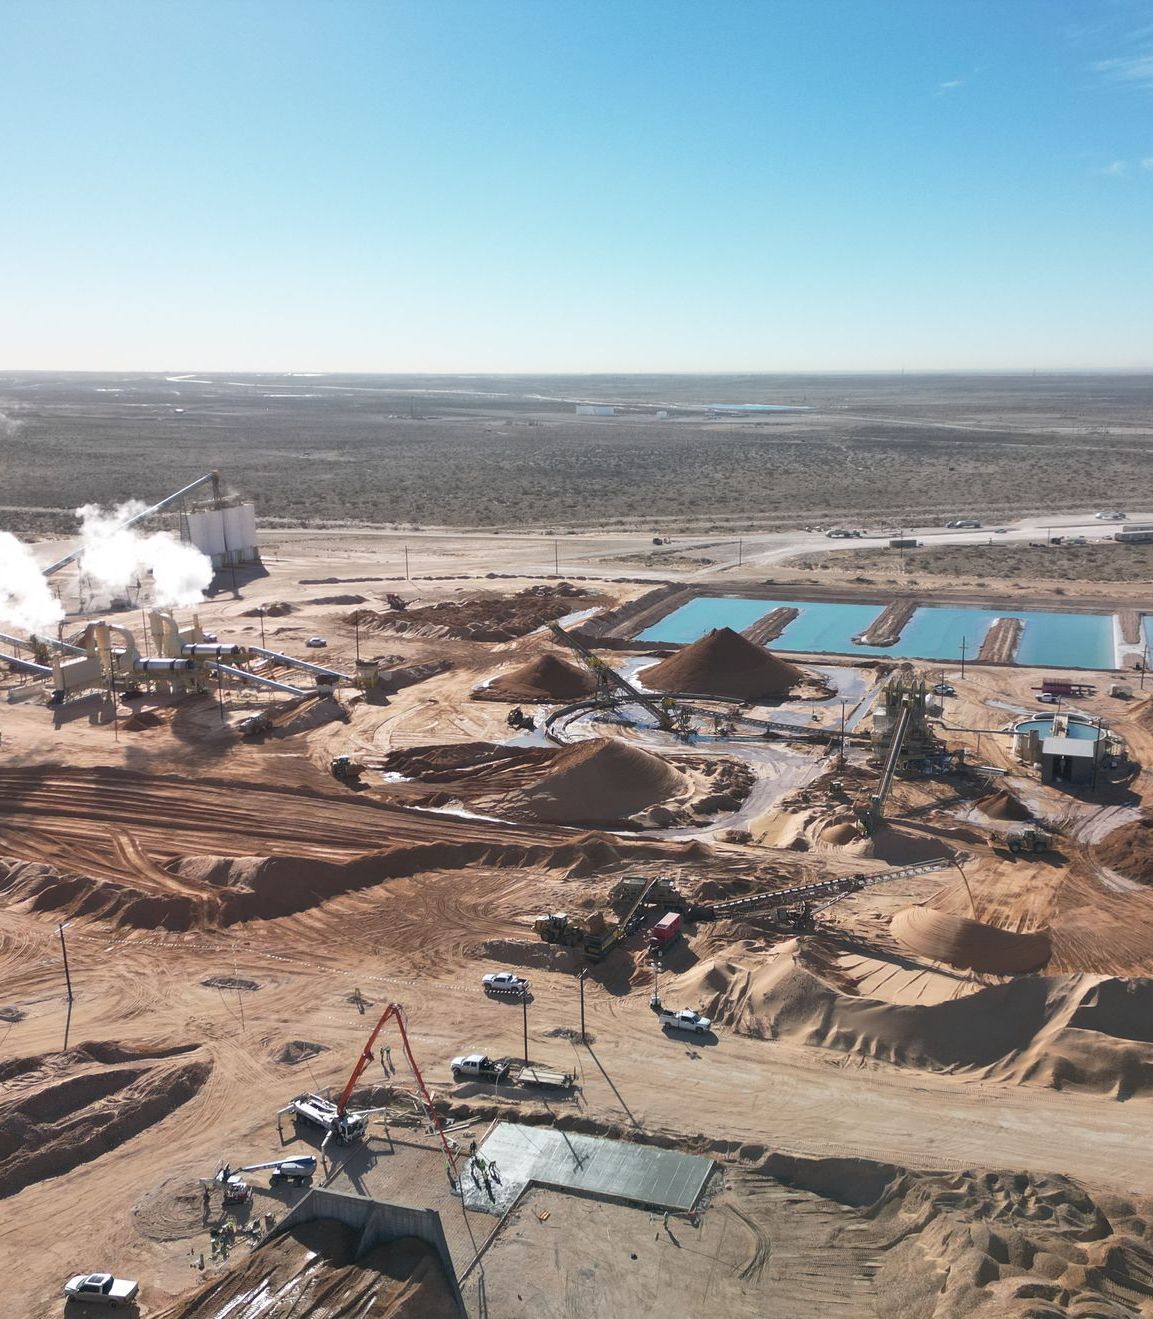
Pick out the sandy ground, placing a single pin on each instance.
(152, 1075)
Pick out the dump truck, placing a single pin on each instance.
(508, 1071)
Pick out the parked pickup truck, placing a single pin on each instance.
(504, 982)
(686, 1019)
(101, 1289)
(480, 1067)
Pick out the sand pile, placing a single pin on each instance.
(545, 678)
(141, 720)
(991, 1244)
(1129, 850)
(48, 1129)
(489, 617)
(1003, 805)
(723, 663)
(1078, 1031)
(313, 1269)
(969, 944)
(277, 609)
(599, 781)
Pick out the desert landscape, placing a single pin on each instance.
(908, 895)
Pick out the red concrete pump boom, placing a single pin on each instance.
(395, 1010)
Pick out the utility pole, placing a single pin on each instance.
(407, 578)
(556, 557)
(356, 624)
(740, 551)
(262, 642)
(64, 950)
(220, 692)
(841, 757)
(963, 641)
(524, 1005)
(1144, 663)
(581, 982)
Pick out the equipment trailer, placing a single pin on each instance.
(509, 1071)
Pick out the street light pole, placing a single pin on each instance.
(524, 1005)
(67, 973)
(581, 982)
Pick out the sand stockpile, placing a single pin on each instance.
(969, 944)
(1129, 851)
(723, 663)
(47, 1128)
(598, 781)
(1003, 805)
(545, 678)
(1086, 1032)
(313, 1269)
(990, 1244)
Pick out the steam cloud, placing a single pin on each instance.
(113, 556)
(26, 601)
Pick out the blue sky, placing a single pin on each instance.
(576, 185)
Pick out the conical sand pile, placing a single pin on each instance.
(1129, 850)
(970, 944)
(598, 781)
(723, 663)
(1002, 805)
(545, 678)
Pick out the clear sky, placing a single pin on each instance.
(576, 185)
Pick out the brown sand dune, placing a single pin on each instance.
(599, 781)
(1129, 850)
(969, 944)
(313, 1270)
(1078, 1031)
(989, 1243)
(723, 663)
(1003, 805)
(548, 677)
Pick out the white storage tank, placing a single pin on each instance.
(240, 532)
(206, 530)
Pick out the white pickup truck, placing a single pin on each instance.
(685, 1019)
(101, 1289)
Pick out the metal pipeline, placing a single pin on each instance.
(163, 665)
(270, 683)
(66, 646)
(26, 666)
(298, 663)
(206, 650)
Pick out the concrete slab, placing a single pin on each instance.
(589, 1165)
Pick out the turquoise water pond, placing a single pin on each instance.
(1082, 641)
(1086, 732)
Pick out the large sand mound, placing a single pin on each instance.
(598, 781)
(225, 890)
(1129, 850)
(313, 1269)
(548, 677)
(1081, 1031)
(723, 663)
(49, 1126)
(991, 1244)
(972, 945)
(1003, 805)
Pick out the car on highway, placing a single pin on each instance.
(316, 643)
(101, 1289)
(686, 1019)
(1110, 516)
(504, 982)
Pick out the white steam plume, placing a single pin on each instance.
(113, 555)
(26, 601)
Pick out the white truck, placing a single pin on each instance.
(685, 1019)
(101, 1289)
(480, 1067)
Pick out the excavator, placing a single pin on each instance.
(347, 1125)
